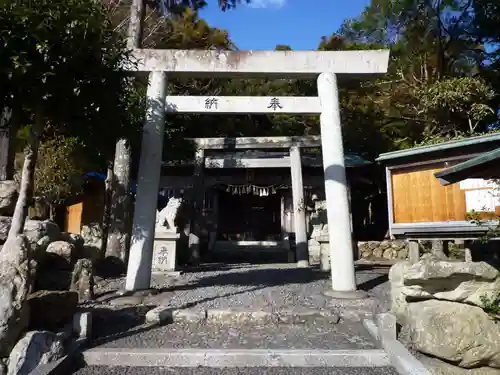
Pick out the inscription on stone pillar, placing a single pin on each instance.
(162, 256)
(165, 251)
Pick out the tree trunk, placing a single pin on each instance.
(52, 212)
(7, 154)
(118, 234)
(27, 178)
(108, 188)
(136, 25)
(439, 50)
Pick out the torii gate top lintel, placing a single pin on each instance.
(279, 64)
(248, 143)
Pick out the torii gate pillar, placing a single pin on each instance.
(336, 192)
(143, 227)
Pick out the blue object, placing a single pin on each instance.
(102, 177)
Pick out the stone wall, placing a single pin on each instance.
(388, 249)
(370, 250)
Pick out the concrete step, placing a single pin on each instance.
(313, 347)
(307, 348)
(315, 334)
(103, 370)
(224, 358)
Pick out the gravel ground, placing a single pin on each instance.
(99, 370)
(270, 287)
(252, 286)
(312, 335)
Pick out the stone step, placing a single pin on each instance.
(234, 358)
(315, 334)
(314, 347)
(312, 344)
(103, 370)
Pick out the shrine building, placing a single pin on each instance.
(247, 190)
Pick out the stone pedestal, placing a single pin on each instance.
(314, 252)
(324, 253)
(165, 251)
(313, 243)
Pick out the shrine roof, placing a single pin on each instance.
(482, 166)
(461, 147)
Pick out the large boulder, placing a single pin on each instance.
(34, 349)
(63, 250)
(34, 230)
(51, 309)
(8, 197)
(75, 239)
(15, 282)
(438, 367)
(457, 333)
(92, 233)
(444, 280)
(428, 270)
(56, 264)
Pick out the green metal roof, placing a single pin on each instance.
(417, 151)
(470, 168)
(354, 160)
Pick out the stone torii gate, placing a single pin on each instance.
(327, 67)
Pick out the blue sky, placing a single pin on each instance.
(297, 23)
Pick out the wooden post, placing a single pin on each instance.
(136, 24)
